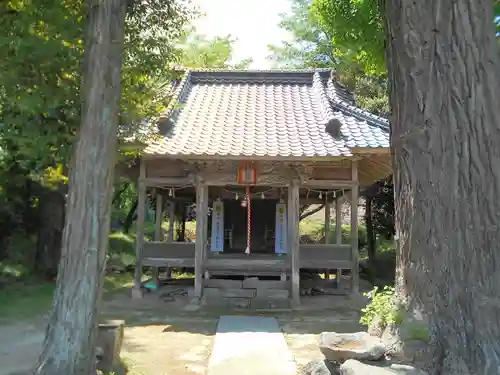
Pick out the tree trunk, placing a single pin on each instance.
(444, 77)
(69, 343)
(370, 236)
(304, 214)
(130, 217)
(119, 192)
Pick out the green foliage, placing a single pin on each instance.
(310, 47)
(355, 29)
(198, 51)
(41, 47)
(313, 46)
(418, 332)
(383, 307)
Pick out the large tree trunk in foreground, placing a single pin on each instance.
(68, 347)
(444, 76)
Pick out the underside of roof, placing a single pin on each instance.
(298, 113)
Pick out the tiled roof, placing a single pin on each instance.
(264, 113)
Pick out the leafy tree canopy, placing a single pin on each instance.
(309, 47)
(40, 53)
(312, 46)
(198, 51)
(355, 28)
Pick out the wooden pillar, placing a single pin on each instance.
(159, 216)
(139, 239)
(293, 238)
(170, 233)
(338, 220)
(354, 229)
(201, 241)
(327, 221)
(183, 225)
(327, 231)
(338, 233)
(171, 221)
(158, 230)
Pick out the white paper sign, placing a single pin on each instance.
(217, 242)
(280, 242)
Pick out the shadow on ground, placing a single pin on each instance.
(174, 336)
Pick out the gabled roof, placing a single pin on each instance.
(265, 113)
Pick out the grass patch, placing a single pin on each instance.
(29, 299)
(23, 301)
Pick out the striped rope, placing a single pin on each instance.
(249, 219)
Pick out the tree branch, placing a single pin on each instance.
(309, 213)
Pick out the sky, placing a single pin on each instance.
(254, 23)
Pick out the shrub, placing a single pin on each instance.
(383, 306)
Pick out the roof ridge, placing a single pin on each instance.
(229, 70)
(319, 89)
(355, 110)
(177, 95)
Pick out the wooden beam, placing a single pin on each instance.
(200, 246)
(371, 151)
(293, 238)
(354, 231)
(139, 239)
(166, 181)
(328, 184)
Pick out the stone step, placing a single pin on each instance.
(255, 303)
(250, 283)
(247, 293)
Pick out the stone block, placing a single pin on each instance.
(339, 347)
(273, 293)
(265, 304)
(353, 367)
(259, 303)
(279, 304)
(239, 303)
(230, 292)
(109, 341)
(320, 367)
(214, 301)
(223, 284)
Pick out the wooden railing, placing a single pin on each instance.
(171, 254)
(326, 256)
(180, 254)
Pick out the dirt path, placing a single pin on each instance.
(163, 338)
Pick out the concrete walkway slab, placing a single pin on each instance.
(250, 345)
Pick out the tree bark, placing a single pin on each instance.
(130, 217)
(444, 77)
(304, 214)
(370, 235)
(69, 342)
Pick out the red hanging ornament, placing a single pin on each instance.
(247, 174)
